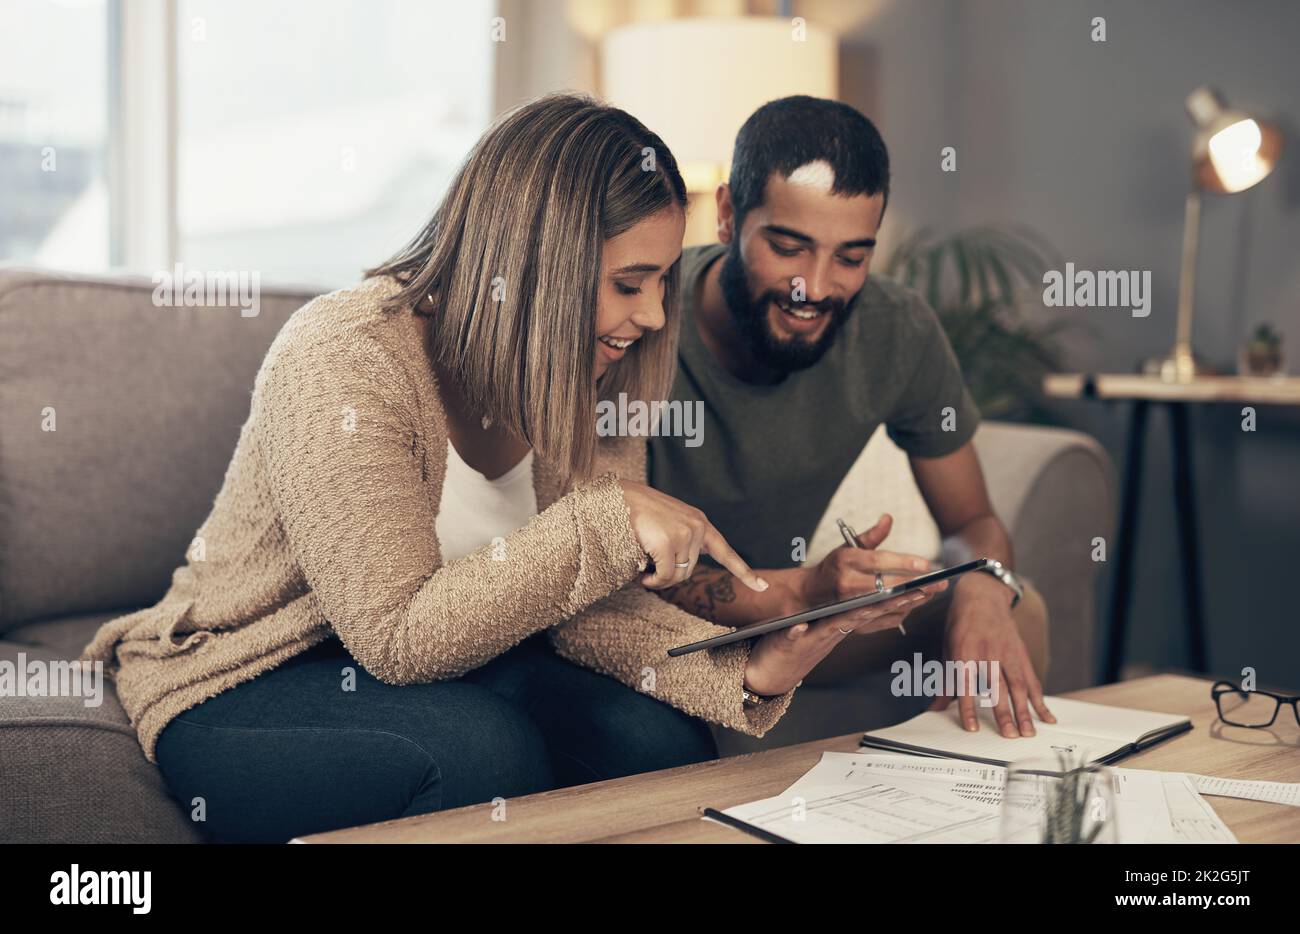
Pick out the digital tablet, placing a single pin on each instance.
(830, 609)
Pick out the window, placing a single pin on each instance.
(314, 139)
(54, 105)
(307, 139)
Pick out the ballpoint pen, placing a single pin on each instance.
(851, 539)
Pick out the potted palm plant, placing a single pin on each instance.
(984, 283)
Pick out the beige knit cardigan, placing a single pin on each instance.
(325, 524)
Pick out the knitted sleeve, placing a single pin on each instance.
(627, 637)
(348, 479)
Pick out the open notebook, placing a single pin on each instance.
(1102, 734)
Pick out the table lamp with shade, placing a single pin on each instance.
(694, 81)
(1231, 152)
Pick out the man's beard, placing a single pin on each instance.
(782, 356)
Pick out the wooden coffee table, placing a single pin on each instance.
(663, 807)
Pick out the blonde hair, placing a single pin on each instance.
(512, 257)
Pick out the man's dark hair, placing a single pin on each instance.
(784, 134)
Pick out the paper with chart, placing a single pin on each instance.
(835, 767)
(1153, 807)
(1165, 807)
(885, 797)
(1272, 792)
(891, 810)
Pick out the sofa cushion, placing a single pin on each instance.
(66, 784)
(63, 636)
(146, 404)
(103, 712)
(73, 773)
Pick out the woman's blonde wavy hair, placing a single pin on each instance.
(512, 260)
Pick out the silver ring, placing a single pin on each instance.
(844, 631)
(682, 564)
(880, 582)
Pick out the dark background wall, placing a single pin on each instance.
(1088, 143)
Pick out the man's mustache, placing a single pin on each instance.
(834, 305)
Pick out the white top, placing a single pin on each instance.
(475, 510)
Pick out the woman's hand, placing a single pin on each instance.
(779, 660)
(674, 535)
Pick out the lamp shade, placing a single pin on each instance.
(695, 81)
(1233, 150)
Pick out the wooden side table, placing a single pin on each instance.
(1144, 391)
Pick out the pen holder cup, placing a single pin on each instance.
(1060, 799)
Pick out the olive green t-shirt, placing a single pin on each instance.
(769, 457)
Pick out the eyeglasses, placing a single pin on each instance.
(1251, 708)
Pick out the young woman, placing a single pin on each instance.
(420, 532)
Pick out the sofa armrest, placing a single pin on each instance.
(74, 773)
(1054, 490)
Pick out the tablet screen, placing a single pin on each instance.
(830, 609)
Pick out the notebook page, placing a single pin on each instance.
(942, 732)
(1124, 725)
(1081, 727)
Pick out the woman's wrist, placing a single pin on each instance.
(757, 681)
(787, 595)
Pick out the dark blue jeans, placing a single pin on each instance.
(292, 752)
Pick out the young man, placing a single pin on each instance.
(798, 357)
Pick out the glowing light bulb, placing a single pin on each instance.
(1234, 152)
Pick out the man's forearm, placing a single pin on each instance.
(984, 537)
(713, 594)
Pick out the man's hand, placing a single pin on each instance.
(779, 660)
(980, 629)
(849, 572)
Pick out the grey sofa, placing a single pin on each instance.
(117, 422)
